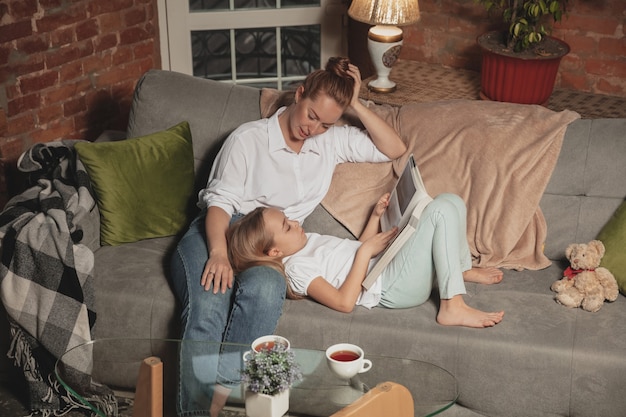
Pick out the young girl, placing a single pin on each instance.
(330, 270)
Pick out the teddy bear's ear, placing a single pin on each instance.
(598, 246)
(569, 249)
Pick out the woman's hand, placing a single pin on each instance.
(383, 135)
(217, 272)
(354, 72)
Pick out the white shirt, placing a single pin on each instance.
(331, 258)
(255, 167)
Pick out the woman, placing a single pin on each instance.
(284, 161)
(330, 270)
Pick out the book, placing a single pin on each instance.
(406, 203)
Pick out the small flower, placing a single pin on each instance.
(271, 371)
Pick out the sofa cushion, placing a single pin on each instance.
(142, 185)
(580, 197)
(133, 299)
(613, 235)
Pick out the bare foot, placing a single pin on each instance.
(483, 275)
(220, 395)
(454, 312)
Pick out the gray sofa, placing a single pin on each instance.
(542, 360)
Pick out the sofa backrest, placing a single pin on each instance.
(213, 109)
(587, 185)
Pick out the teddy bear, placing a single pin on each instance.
(585, 283)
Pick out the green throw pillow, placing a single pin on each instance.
(613, 235)
(142, 185)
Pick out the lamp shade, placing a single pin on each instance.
(385, 12)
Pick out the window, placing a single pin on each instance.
(264, 43)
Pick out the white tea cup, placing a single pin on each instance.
(266, 342)
(346, 360)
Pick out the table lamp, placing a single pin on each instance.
(384, 40)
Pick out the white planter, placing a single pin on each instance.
(263, 405)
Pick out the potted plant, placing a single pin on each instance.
(268, 375)
(520, 62)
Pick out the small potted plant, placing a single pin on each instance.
(520, 62)
(268, 375)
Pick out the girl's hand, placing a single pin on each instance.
(381, 205)
(217, 272)
(377, 243)
(373, 224)
(354, 72)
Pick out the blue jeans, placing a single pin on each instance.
(249, 310)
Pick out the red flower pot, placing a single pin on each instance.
(513, 78)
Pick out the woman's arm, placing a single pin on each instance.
(383, 135)
(344, 298)
(217, 270)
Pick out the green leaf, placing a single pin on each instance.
(554, 7)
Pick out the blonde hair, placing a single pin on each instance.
(333, 80)
(249, 243)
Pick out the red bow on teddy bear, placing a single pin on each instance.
(570, 273)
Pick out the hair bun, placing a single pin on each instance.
(339, 66)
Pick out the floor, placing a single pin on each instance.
(11, 405)
(416, 82)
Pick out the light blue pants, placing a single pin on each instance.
(248, 310)
(437, 249)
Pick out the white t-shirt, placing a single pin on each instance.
(256, 168)
(331, 258)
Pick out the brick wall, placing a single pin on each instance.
(68, 67)
(594, 30)
(68, 70)
(447, 31)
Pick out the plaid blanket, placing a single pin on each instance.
(48, 234)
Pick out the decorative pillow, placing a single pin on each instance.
(142, 185)
(613, 235)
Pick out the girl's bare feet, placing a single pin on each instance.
(483, 275)
(454, 312)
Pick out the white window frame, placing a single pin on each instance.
(176, 23)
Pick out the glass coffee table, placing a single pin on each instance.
(320, 393)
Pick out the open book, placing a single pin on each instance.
(408, 199)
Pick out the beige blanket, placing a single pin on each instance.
(498, 157)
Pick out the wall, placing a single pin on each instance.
(68, 69)
(446, 35)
